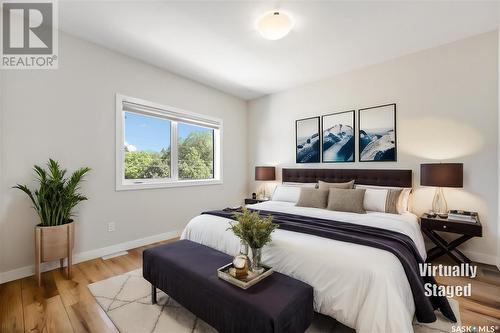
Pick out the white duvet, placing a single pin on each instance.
(362, 287)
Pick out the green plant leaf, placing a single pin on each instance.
(56, 196)
(253, 229)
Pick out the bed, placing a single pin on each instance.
(362, 287)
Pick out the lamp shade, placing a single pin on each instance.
(442, 174)
(265, 173)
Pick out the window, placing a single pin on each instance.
(160, 146)
(147, 147)
(196, 151)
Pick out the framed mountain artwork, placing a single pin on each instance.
(377, 134)
(307, 140)
(338, 137)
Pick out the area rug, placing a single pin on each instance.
(126, 299)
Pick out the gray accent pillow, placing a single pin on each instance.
(391, 201)
(311, 197)
(346, 200)
(326, 186)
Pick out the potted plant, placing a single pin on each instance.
(254, 231)
(54, 201)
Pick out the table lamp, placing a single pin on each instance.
(265, 173)
(441, 175)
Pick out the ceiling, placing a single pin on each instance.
(215, 42)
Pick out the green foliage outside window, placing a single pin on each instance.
(195, 160)
(196, 156)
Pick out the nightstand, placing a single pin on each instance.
(467, 230)
(249, 201)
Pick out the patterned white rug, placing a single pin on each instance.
(126, 299)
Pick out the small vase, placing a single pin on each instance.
(244, 252)
(256, 258)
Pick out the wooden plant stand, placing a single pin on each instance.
(52, 243)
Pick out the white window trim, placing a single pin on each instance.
(167, 112)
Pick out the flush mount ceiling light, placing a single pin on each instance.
(274, 25)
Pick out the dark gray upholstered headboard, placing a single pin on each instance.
(378, 177)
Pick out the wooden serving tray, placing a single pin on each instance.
(244, 283)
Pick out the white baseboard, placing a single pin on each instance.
(481, 257)
(25, 271)
(472, 255)
(114, 255)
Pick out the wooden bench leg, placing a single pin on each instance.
(153, 294)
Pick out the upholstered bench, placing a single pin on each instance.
(187, 272)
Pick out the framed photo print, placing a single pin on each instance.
(377, 134)
(307, 140)
(338, 137)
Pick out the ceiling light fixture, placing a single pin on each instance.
(274, 25)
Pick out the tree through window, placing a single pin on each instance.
(159, 146)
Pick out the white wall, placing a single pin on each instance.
(447, 110)
(69, 114)
(2, 190)
(498, 147)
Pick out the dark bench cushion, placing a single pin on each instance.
(187, 271)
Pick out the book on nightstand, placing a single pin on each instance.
(462, 215)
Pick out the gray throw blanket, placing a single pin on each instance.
(398, 244)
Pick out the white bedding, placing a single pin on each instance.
(362, 287)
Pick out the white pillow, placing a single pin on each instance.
(404, 201)
(375, 200)
(289, 193)
(404, 197)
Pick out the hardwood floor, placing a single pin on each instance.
(482, 308)
(62, 305)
